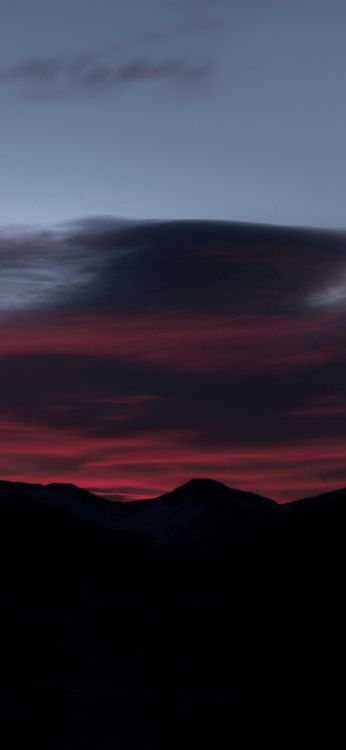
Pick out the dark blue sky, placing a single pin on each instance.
(173, 108)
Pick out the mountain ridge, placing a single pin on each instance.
(194, 489)
(201, 510)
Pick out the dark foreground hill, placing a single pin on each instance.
(207, 615)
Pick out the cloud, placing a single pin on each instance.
(43, 70)
(139, 354)
(39, 270)
(331, 294)
(168, 266)
(97, 73)
(103, 77)
(187, 26)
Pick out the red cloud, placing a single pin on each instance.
(189, 342)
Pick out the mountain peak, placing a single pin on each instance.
(202, 489)
(204, 485)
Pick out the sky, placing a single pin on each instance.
(172, 244)
(161, 109)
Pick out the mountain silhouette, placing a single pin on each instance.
(191, 510)
(208, 614)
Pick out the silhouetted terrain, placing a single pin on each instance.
(208, 614)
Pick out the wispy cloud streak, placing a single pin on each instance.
(98, 73)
